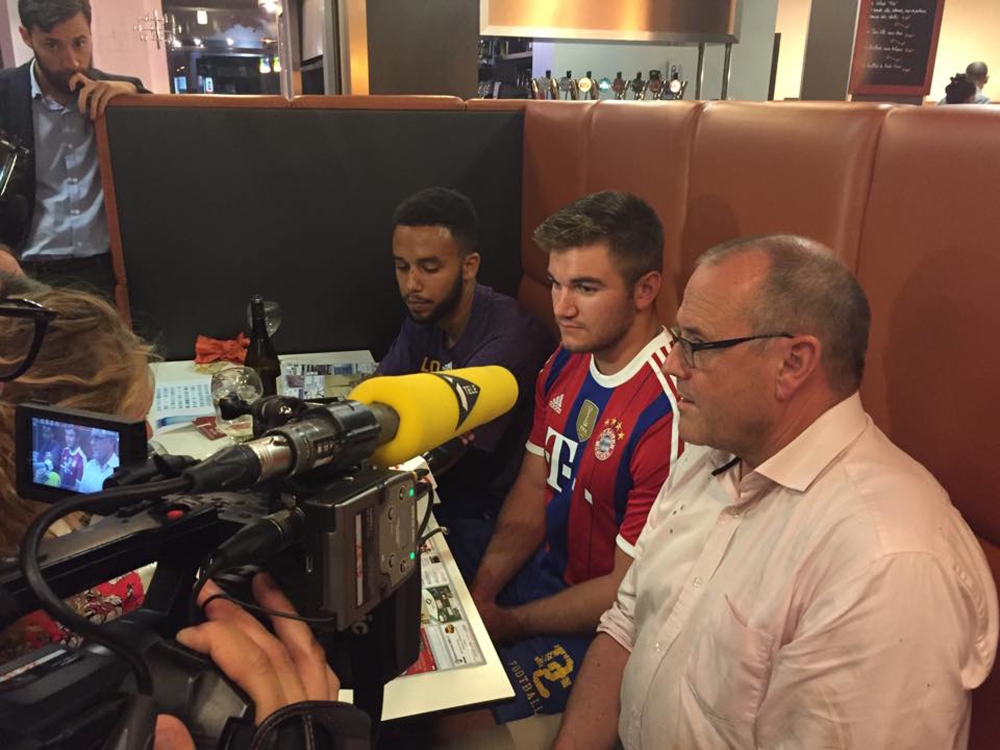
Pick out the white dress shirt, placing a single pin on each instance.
(832, 598)
(94, 473)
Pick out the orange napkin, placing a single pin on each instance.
(228, 350)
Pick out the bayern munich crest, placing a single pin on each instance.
(605, 444)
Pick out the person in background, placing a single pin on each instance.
(44, 454)
(456, 322)
(56, 224)
(960, 91)
(801, 582)
(89, 359)
(979, 74)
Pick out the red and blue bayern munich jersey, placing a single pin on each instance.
(608, 444)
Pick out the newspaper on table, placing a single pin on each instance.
(328, 375)
(446, 638)
(181, 401)
(184, 394)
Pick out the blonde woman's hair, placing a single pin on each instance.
(89, 359)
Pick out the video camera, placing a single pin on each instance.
(15, 165)
(302, 500)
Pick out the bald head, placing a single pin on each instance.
(803, 288)
(978, 73)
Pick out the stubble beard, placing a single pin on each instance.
(607, 340)
(444, 308)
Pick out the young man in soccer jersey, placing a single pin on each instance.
(602, 441)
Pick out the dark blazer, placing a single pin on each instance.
(16, 121)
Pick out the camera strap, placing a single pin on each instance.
(309, 725)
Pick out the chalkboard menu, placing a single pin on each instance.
(895, 46)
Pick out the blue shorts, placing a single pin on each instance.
(541, 669)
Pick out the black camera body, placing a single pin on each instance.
(16, 167)
(352, 565)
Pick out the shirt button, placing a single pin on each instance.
(696, 582)
(658, 647)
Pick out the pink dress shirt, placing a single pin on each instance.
(832, 598)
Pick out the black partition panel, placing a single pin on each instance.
(218, 204)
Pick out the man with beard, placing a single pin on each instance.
(455, 322)
(56, 223)
(600, 448)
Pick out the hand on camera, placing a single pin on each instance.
(275, 669)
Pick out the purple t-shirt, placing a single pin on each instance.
(499, 332)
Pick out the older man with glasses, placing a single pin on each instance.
(801, 582)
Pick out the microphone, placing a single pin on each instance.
(435, 407)
(389, 419)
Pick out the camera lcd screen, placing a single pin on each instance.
(72, 457)
(62, 452)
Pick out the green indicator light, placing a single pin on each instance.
(411, 492)
(413, 555)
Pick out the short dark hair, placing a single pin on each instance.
(960, 90)
(44, 14)
(441, 207)
(808, 290)
(627, 223)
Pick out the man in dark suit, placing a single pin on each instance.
(55, 221)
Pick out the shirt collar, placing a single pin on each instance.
(798, 464)
(36, 90)
(37, 93)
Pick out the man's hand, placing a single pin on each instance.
(171, 734)
(276, 670)
(95, 95)
(502, 623)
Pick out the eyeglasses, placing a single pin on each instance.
(688, 348)
(15, 364)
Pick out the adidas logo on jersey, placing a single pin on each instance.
(556, 403)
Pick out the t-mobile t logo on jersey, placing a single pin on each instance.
(558, 468)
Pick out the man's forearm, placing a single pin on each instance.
(591, 717)
(519, 532)
(578, 609)
(513, 543)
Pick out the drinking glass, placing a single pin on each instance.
(242, 383)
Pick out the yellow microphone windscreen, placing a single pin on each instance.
(434, 407)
